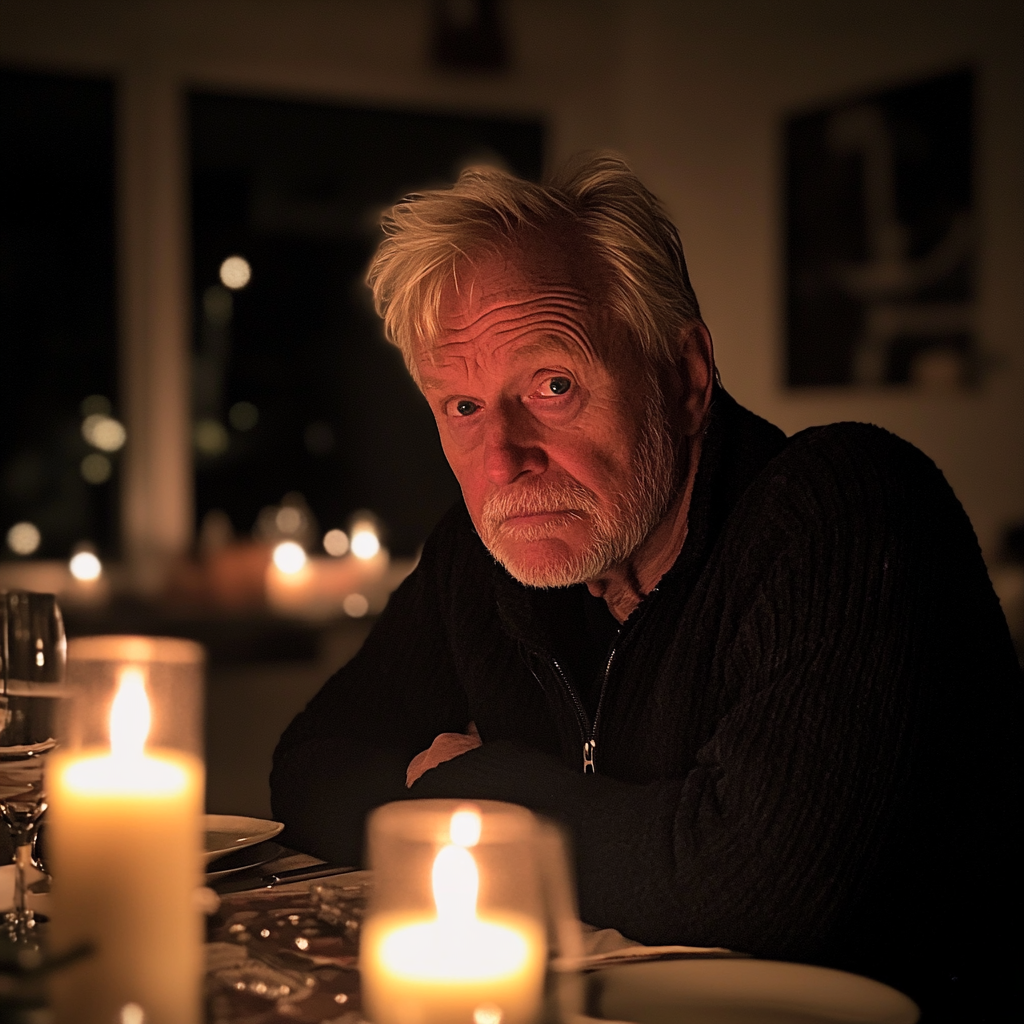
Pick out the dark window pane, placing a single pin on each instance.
(57, 311)
(295, 389)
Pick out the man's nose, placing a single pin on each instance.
(512, 446)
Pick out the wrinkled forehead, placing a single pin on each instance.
(538, 271)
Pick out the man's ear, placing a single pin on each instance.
(695, 375)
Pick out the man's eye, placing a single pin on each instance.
(558, 385)
(465, 407)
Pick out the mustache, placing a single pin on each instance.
(567, 498)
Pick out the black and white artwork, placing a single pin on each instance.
(881, 239)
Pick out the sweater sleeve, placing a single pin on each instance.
(858, 632)
(348, 751)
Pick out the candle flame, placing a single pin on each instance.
(130, 716)
(455, 876)
(456, 882)
(465, 827)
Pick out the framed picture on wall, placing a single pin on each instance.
(881, 239)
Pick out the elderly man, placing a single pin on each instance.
(765, 683)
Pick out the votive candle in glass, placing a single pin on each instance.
(125, 832)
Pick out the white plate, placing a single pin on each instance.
(228, 832)
(747, 992)
(243, 860)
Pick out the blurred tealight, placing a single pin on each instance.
(132, 1013)
(355, 605)
(336, 543)
(235, 272)
(243, 415)
(288, 519)
(104, 432)
(365, 543)
(85, 566)
(210, 437)
(24, 538)
(95, 468)
(289, 557)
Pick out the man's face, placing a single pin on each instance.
(555, 431)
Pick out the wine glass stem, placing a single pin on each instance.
(22, 862)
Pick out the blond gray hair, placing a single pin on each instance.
(428, 234)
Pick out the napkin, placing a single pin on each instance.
(605, 947)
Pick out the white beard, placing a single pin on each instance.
(616, 531)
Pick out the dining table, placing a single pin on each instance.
(283, 942)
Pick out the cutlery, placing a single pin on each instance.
(268, 881)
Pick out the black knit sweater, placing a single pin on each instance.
(806, 742)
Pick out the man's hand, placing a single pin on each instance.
(444, 748)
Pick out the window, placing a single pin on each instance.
(295, 391)
(57, 316)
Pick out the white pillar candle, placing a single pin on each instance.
(455, 967)
(126, 850)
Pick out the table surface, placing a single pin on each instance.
(287, 953)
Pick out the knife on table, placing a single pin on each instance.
(268, 881)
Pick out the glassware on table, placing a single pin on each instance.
(471, 904)
(33, 655)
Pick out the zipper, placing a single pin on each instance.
(588, 731)
(597, 713)
(581, 718)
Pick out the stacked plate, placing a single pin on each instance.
(236, 843)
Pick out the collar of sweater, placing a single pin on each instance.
(737, 446)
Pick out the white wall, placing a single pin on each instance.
(694, 92)
(706, 85)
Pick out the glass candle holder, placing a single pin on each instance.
(125, 833)
(457, 927)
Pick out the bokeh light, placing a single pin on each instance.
(95, 468)
(235, 272)
(24, 538)
(132, 1013)
(355, 605)
(289, 557)
(243, 415)
(104, 432)
(288, 519)
(336, 543)
(365, 543)
(210, 437)
(85, 566)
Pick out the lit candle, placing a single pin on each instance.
(456, 966)
(125, 831)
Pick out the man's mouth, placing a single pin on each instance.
(539, 517)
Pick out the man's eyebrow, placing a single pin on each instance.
(433, 383)
(551, 343)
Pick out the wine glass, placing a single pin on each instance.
(33, 655)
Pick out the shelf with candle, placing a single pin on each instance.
(126, 812)
(474, 950)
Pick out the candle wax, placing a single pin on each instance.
(418, 969)
(126, 851)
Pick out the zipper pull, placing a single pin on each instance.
(588, 757)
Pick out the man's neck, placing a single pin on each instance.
(627, 583)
